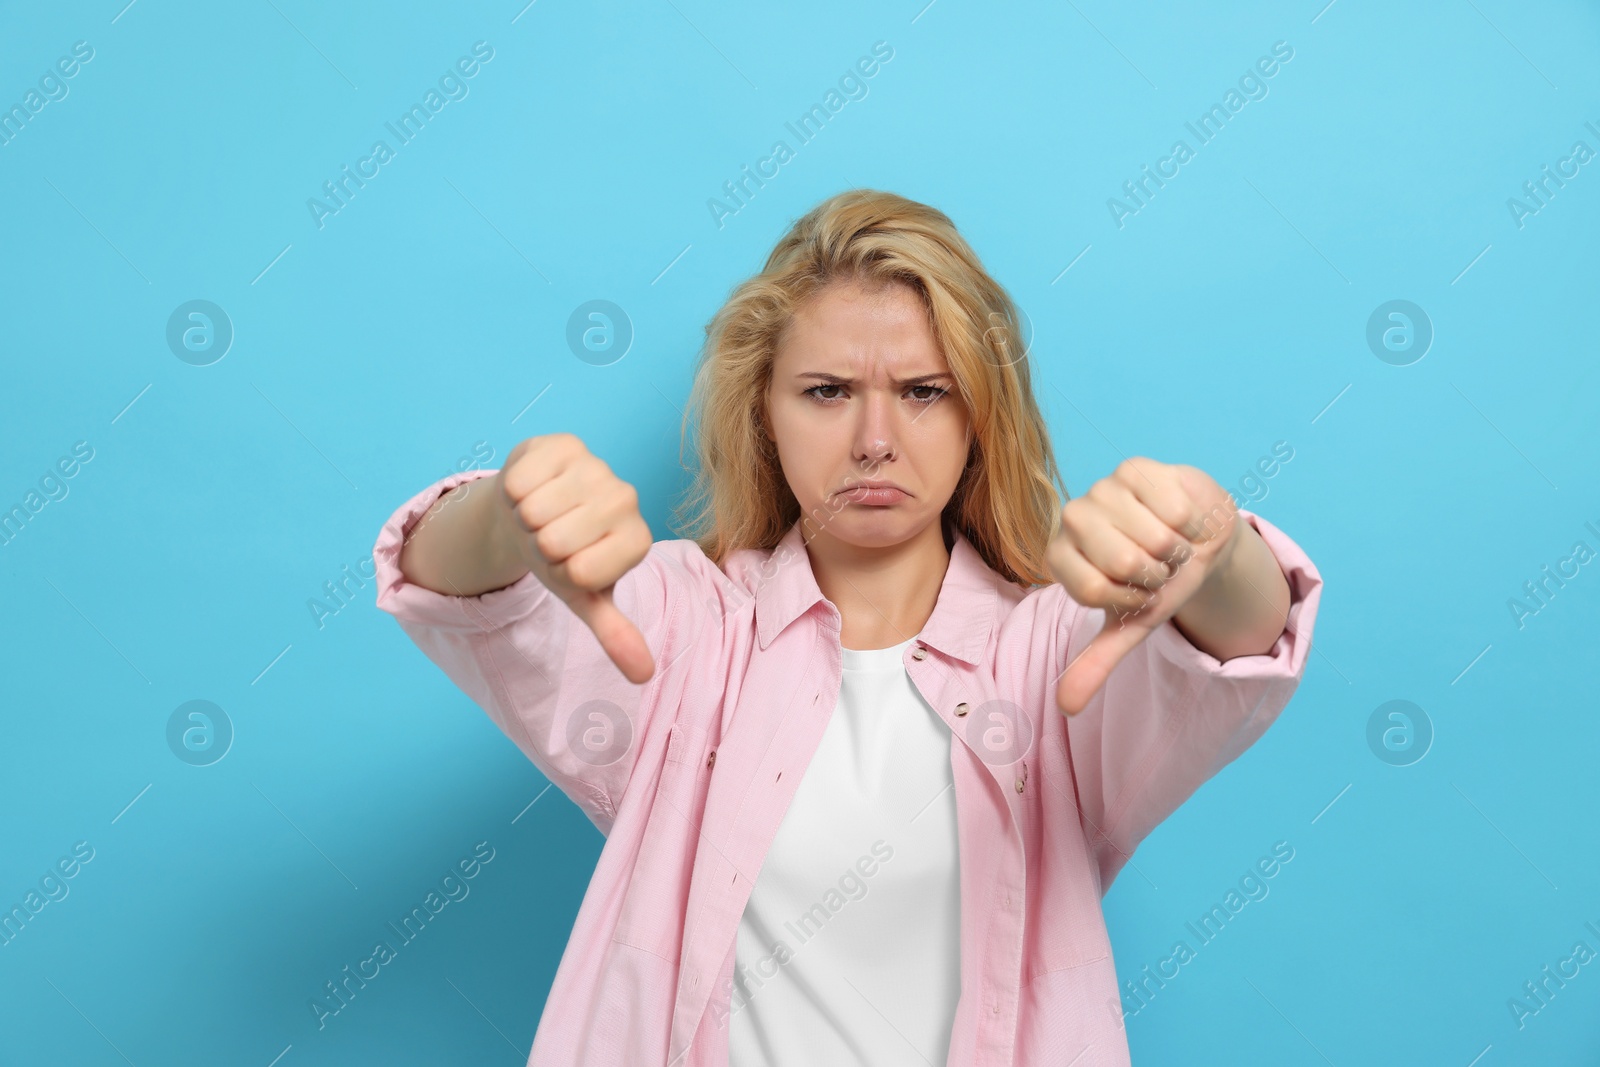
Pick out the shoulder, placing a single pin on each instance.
(682, 564)
(682, 561)
(1031, 614)
(987, 600)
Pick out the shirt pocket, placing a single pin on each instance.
(656, 902)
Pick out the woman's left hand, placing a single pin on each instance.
(1139, 544)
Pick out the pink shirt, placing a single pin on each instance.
(689, 775)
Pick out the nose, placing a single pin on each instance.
(875, 431)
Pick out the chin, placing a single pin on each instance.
(876, 527)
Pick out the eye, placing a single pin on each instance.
(937, 393)
(812, 392)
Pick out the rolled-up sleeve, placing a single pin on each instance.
(1170, 715)
(527, 660)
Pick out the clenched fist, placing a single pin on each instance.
(1138, 544)
(577, 527)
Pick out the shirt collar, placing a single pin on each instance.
(962, 619)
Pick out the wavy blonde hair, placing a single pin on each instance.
(1006, 502)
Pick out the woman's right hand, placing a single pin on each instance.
(562, 512)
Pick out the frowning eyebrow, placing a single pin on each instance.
(834, 379)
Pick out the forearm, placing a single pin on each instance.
(1242, 608)
(459, 547)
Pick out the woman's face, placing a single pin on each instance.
(861, 392)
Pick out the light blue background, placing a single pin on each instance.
(372, 354)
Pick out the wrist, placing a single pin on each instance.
(494, 522)
(1232, 559)
(1242, 606)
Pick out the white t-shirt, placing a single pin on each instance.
(848, 951)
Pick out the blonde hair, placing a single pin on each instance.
(1006, 502)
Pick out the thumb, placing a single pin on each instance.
(1089, 670)
(617, 634)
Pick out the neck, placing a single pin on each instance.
(885, 594)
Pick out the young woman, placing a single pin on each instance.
(870, 744)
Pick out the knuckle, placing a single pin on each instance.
(548, 543)
(1099, 588)
(511, 476)
(561, 447)
(593, 469)
(580, 570)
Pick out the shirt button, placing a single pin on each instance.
(961, 708)
(919, 653)
(1019, 784)
(711, 760)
